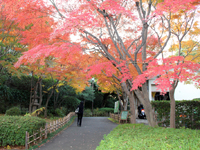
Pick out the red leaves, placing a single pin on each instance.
(125, 72)
(65, 52)
(114, 7)
(171, 69)
(96, 69)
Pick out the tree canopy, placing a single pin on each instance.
(110, 38)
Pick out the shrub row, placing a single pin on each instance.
(98, 112)
(187, 113)
(13, 128)
(139, 136)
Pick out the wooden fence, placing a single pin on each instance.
(49, 128)
(115, 116)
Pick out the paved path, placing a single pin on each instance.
(86, 137)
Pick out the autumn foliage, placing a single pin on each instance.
(116, 41)
(167, 70)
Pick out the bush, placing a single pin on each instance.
(139, 136)
(187, 113)
(59, 112)
(102, 111)
(13, 129)
(24, 111)
(106, 109)
(97, 112)
(64, 110)
(87, 113)
(14, 111)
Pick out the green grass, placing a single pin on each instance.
(142, 137)
(115, 121)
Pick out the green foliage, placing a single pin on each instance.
(14, 111)
(106, 109)
(36, 112)
(67, 98)
(13, 128)
(87, 113)
(102, 111)
(98, 101)
(17, 92)
(187, 113)
(113, 120)
(71, 103)
(110, 101)
(97, 112)
(139, 136)
(59, 112)
(64, 110)
(5, 95)
(196, 99)
(87, 94)
(24, 111)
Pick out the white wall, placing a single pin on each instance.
(186, 92)
(182, 92)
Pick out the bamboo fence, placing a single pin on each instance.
(41, 134)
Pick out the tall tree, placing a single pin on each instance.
(126, 25)
(176, 69)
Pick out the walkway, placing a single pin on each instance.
(86, 137)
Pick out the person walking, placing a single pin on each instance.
(80, 114)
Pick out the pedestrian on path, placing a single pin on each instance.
(80, 114)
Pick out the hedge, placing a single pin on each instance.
(13, 128)
(106, 109)
(187, 113)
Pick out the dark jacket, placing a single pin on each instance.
(80, 108)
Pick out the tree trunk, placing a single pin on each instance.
(132, 102)
(30, 102)
(45, 112)
(172, 108)
(52, 91)
(40, 83)
(144, 99)
(125, 101)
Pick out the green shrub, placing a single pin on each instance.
(64, 110)
(14, 111)
(13, 128)
(139, 136)
(106, 109)
(59, 112)
(87, 113)
(97, 112)
(24, 111)
(102, 111)
(187, 113)
(196, 99)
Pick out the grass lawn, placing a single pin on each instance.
(143, 137)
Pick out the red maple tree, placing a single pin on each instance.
(119, 31)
